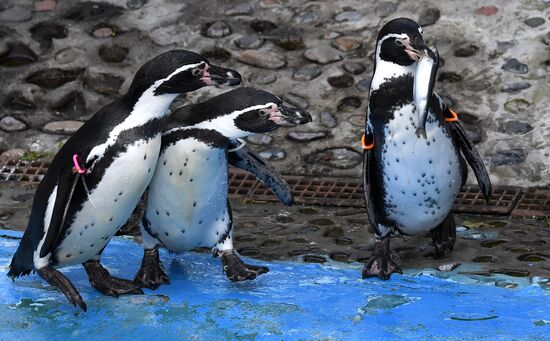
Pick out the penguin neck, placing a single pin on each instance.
(386, 71)
(149, 106)
(223, 125)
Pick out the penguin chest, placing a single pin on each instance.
(110, 203)
(187, 200)
(421, 177)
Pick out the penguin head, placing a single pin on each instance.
(180, 71)
(400, 41)
(241, 112)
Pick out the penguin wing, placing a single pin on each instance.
(367, 142)
(468, 149)
(251, 162)
(66, 184)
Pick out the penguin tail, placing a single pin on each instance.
(22, 262)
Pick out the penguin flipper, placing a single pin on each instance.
(251, 162)
(66, 185)
(367, 186)
(473, 158)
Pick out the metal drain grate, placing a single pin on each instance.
(535, 202)
(329, 191)
(28, 172)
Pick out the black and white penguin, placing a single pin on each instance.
(98, 176)
(413, 163)
(188, 196)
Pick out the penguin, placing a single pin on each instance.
(187, 204)
(414, 148)
(98, 176)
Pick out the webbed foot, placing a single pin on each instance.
(102, 281)
(236, 270)
(381, 263)
(151, 274)
(57, 279)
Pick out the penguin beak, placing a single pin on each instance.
(285, 116)
(215, 75)
(418, 49)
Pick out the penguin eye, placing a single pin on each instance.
(195, 71)
(263, 113)
(399, 42)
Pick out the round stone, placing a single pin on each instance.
(307, 73)
(306, 17)
(351, 102)
(262, 78)
(515, 127)
(44, 5)
(11, 124)
(346, 44)
(54, 77)
(429, 16)
(113, 53)
(449, 77)
(314, 259)
(307, 136)
(217, 54)
(18, 101)
(259, 139)
(363, 85)
(217, 29)
(63, 127)
(17, 54)
(273, 154)
(466, 51)
(135, 4)
(70, 105)
(69, 55)
(350, 16)
(328, 120)
(385, 8)
(336, 157)
(93, 11)
(487, 10)
(322, 55)
(513, 65)
(262, 26)
(341, 81)
(105, 31)
(251, 42)
(240, 9)
(514, 87)
(103, 83)
(264, 60)
(16, 14)
(296, 100)
(354, 68)
(534, 22)
(509, 157)
(44, 32)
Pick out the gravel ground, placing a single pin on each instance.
(60, 61)
(267, 231)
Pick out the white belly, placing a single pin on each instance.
(421, 177)
(110, 204)
(187, 201)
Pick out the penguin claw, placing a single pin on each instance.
(381, 263)
(381, 267)
(236, 270)
(57, 279)
(151, 273)
(102, 281)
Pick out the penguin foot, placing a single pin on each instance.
(151, 273)
(444, 237)
(57, 279)
(381, 263)
(236, 270)
(102, 281)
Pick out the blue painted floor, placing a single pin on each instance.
(294, 301)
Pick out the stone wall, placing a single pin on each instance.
(63, 60)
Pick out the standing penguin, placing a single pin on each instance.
(99, 174)
(187, 200)
(413, 167)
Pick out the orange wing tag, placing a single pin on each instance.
(364, 145)
(452, 119)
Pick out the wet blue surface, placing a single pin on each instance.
(293, 301)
